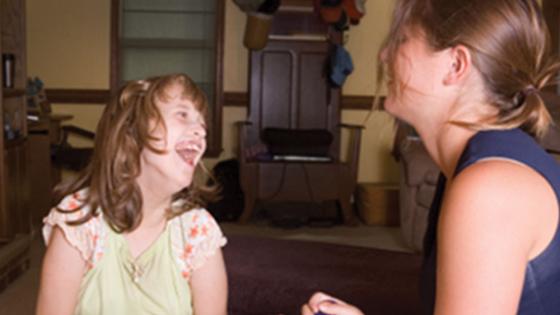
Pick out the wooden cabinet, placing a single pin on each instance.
(161, 37)
(43, 175)
(40, 171)
(14, 213)
(15, 227)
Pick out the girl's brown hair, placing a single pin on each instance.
(510, 47)
(122, 133)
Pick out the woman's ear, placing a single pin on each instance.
(460, 64)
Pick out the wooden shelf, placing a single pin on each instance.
(8, 144)
(15, 229)
(169, 11)
(165, 43)
(8, 92)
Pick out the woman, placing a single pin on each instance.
(466, 75)
(130, 237)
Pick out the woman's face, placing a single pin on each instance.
(183, 141)
(416, 77)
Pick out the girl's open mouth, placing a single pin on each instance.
(189, 151)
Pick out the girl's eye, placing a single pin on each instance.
(183, 115)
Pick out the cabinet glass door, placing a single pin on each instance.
(174, 36)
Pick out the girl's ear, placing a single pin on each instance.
(460, 63)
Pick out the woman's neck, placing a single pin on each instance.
(445, 140)
(445, 145)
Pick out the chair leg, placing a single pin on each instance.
(347, 212)
(250, 202)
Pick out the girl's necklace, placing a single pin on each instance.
(137, 270)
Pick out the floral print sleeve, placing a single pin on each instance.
(87, 238)
(195, 237)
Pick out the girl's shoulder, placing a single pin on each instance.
(87, 237)
(195, 236)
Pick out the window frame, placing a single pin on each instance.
(214, 143)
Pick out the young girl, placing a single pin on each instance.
(466, 75)
(131, 237)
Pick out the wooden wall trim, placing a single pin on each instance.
(78, 96)
(231, 99)
(101, 96)
(236, 99)
(359, 102)
(355, 102)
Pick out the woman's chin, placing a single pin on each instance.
(396, 109)
(390, 106)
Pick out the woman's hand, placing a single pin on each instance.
(328, 305)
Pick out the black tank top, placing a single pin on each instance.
(541, 288)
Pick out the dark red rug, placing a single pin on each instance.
(270, 276)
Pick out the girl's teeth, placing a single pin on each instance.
(193, 147)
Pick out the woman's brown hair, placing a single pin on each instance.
(510, 47)
(122, 133)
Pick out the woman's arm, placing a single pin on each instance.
(61, 275)
(495, 217)
(209, 286)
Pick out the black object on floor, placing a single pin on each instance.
(230, 206)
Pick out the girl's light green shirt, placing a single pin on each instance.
(155, 282)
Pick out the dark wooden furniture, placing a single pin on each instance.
(289, 88)
(39, 168)
(44, 134)
(67, 157)
(15, 225)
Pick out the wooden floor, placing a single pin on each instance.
(14, 259)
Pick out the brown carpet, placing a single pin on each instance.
(270, 276)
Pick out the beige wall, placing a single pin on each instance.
(68, 47)
(68, 42)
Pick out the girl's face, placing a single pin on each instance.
(183, 141)
(416, 78)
